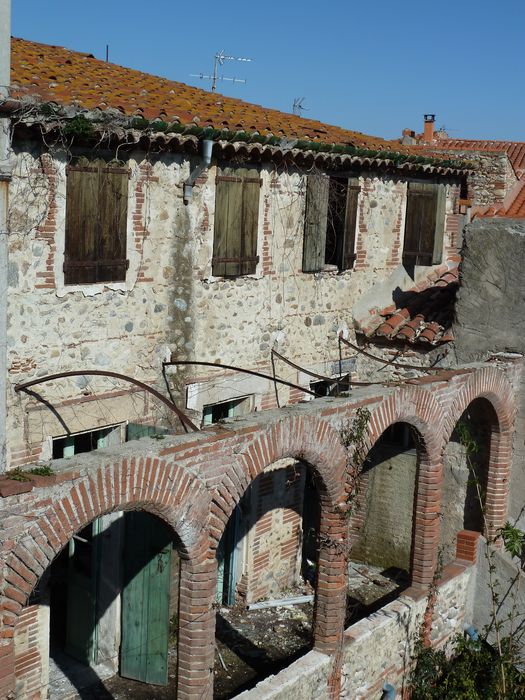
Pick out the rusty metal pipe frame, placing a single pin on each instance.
(392, 363)
(115, 375)
(218, 365)
(320, 376)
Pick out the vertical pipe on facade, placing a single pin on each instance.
(5, 78)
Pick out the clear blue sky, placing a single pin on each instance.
(373, 66)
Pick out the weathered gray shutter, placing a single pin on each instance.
(352, 196)
(437, 256)
(315, 222)
(420, 224)
(81, 225)
(113, 206)
(236, 222)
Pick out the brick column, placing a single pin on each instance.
(427, 521)
(7, 668)
(196, 644)
(332, 583)
(498, 482)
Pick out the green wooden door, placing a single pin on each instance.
(145, 599)
(81, 626)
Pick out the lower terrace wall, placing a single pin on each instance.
(194, 482)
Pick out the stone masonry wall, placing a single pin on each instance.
(170, 304)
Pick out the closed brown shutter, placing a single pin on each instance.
(352, 196)
(96, 221)
(81, 225)
(113, 205)
(236, 222)
(315, 222)
(420, 224)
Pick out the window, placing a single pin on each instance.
(330, 222)
(424, 224)
(225, 409)
(236, 222)
(334, 387)
(96, 218)
(86, 441)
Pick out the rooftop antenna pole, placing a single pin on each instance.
(298, 107)
(219, 59)
(107, 53)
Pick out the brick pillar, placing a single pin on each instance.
(498, 482)
(7, 667)
(196, 645)
(332, 585)
(467, 545)
(427, 521)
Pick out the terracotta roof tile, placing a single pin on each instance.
(515, 150)
(514, 210)
(57, 74)
(422, 314)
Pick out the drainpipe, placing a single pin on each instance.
(5, 176)
(206, 149)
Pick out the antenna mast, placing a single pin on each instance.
(298, 107)
(219, 59)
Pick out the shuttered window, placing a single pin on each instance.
(96, 220)
(330, 222)
(236, 222)
(424, 224)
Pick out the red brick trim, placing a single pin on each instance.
(157, 486)
(420, 409)
(491, 384)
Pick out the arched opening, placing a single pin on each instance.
(382, 522)
(106, 608)
(267, 570)
(466, 469)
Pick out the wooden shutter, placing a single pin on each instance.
(236, 222)
(96, 221)
(113, 207)
(81, 225)
(420, 224)
(437, 256)
(315, 222)
(352, 196)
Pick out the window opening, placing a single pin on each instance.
(96, 223)
(86, 441)
(237, 194)
(330, 222)
(212, 413)
(424, 224)
(334, 387)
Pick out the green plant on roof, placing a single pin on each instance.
(79, 126)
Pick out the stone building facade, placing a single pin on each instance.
(323, 244)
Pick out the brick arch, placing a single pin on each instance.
(157, 486)
(420, 409)
(311, 440)
(486, 383)
(491, 384)
(317, 443)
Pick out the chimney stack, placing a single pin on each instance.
(428, 132)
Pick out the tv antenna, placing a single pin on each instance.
(298, 107)
(219, 59)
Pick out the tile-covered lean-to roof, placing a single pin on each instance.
(422, 315)
(515, 150)
(59, 75)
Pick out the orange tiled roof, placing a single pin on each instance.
(515, 150)
(514, 210)
(56, 74)
(422, 315)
